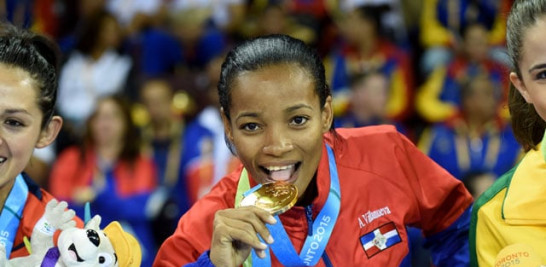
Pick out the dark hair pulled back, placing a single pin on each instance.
(528, 126)
(265, 51)
(38, 56)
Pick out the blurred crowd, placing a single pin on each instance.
(143, 137)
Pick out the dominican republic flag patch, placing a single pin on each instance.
(380, 239)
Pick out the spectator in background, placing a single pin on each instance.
(206, 158)
(392, 19)
(73, 16)
(40, 16)
(86, 8)
(163, 133)
(93, 70)
(475, 139)
(150, 40)
(17, 12)
(200, 42)
(365, 49)
(439, 97)
(317, 17)
(225, 15)
(367, 102)
(156, 52)
(275, 18)
(135, 14)
(110, 172)
(163, 141)
(442, 21)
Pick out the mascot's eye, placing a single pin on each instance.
(105, 260)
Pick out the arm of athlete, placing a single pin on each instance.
(235, 233)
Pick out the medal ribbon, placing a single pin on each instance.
(12, 212)
(323, 226)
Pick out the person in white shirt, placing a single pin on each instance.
(93, 70)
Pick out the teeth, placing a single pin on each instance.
(279, 168)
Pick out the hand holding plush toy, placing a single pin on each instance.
(88, 247)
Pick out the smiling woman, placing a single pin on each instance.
(358, 189)
(512, 210)
(279, 139)
(28, 88)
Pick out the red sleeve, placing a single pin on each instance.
(433, 197)
(441, 198)
(194, 232)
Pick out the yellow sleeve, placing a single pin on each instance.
(489, 238)
(497, 35)
(427, 101)
(498, 32)
(399, 94)
(432, 32)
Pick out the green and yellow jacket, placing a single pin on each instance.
(512, 211)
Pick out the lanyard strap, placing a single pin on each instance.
(12, 212)
(323, 226)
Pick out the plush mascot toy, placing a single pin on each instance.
(76, 247)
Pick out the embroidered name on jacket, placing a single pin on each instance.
(380, 239)
(370, 216)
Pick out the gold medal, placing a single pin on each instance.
(276, 197)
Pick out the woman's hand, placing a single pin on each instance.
(236, 232)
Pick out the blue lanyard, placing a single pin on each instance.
(315, 244)
(12, 212)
